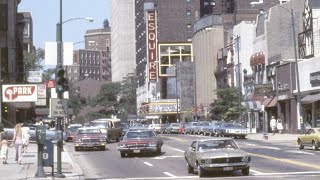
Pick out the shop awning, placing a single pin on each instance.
(310, 98)
(273, 102)
(253, 105)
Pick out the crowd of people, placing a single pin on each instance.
(20, 143)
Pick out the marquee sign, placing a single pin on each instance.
(315, 79)
(152, 50)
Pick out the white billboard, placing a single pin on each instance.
(35, 76)
(51, 53)
(42, 91)
(20, 93)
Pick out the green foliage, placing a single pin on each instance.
(33, 60)
(48, 74)
(227, 105)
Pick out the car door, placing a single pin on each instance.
(311, 136)
(305, 138)
(193, 152)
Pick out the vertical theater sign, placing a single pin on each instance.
(152, 44)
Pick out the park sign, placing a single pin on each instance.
(20, 93)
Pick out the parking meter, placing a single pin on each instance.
(40, 134)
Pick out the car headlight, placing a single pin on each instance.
(246, 159)
(122, 145)
(152, 144)
(208, 161)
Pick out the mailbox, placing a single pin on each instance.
(40, 134)
(47, 154)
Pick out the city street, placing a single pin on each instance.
(270, 160)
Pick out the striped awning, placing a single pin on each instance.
(253, 105)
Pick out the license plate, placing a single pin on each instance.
(136, 151)
(227, 168)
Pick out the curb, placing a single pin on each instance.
(77, 170)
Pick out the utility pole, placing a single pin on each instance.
(176, 69)
(239, 78)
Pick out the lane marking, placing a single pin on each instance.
(148, 164)
(251, 144)
(142, 178)
(300, 152)
(163, 157)
(256, 172)
(297, 163)
(175, 138)
(268, 147)
(176, 149)
(290, 173)
(169, 174)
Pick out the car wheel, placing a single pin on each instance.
(200, 171)
(122, 154)
(245, 171)
(76, 149)
(314, 146)
(102, 148)
(159, 150)
(300, 144)
(190, 168)
(117, 139)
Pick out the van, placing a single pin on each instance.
(110, 126)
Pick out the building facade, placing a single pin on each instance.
(99, 39)
(123, 52)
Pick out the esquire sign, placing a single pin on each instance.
(152, 50)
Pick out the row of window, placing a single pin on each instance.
(91, 71)
(90, 62)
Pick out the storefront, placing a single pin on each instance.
(309, 76)
(287, 104)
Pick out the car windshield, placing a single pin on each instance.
(217, 144)
(140, 134)
(175, 125)
(88, 131)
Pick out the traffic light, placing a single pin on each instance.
(62, 84)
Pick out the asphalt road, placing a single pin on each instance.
(269, 161)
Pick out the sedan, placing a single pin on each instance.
(90, 137)
(216, 154)
(139, 142)
(232, 130)
(310, 138)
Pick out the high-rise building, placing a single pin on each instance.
(123, 52)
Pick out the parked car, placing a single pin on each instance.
(90, 137)
(189, 127)
(172, 128)
(140, 141)
(71, 131)
(202, 128)
(214, 127)
(216, 154)
(310, 138)
(110, 126)
(158, 128)
(232, 130)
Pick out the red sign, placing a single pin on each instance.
(50, 83)
(20, 93)
(152, 46)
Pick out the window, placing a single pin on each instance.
(3, 17)
(26, 31)
(189, 27)
(188, 1)
(188, 13)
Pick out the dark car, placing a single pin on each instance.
(140, 142)
(90, 137)
(71, 131)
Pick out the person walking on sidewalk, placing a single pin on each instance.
(273, 124)
(279, 126)
(4, 151)
(17, 141)
(25, 138)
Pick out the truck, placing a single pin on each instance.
(112, 127)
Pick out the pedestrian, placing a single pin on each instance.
(4, 151)
(279, 126)
(25, 138)
(17, 141)
(273, 124)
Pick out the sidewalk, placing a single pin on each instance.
(29, 166)
(274, 138)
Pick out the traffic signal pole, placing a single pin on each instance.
(60, 96)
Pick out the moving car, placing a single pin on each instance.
(310, 138)
(158, 128)
(112, 127)
(139, 142)
(216, 154)
(232, 130)
(90, 137)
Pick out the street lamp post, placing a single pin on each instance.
(300, 112)
(59, 93)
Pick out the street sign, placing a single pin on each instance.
(50, 84)
(35, 76)
(58, 107)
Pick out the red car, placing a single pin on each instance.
(90, 137)
(140, 142)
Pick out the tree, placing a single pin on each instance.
(227, 105)
(48, 74)
(33, 60)
(128, 100)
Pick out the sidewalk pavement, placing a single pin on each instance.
(274, 138)
(29, 165)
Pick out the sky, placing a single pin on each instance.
(46, 14)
